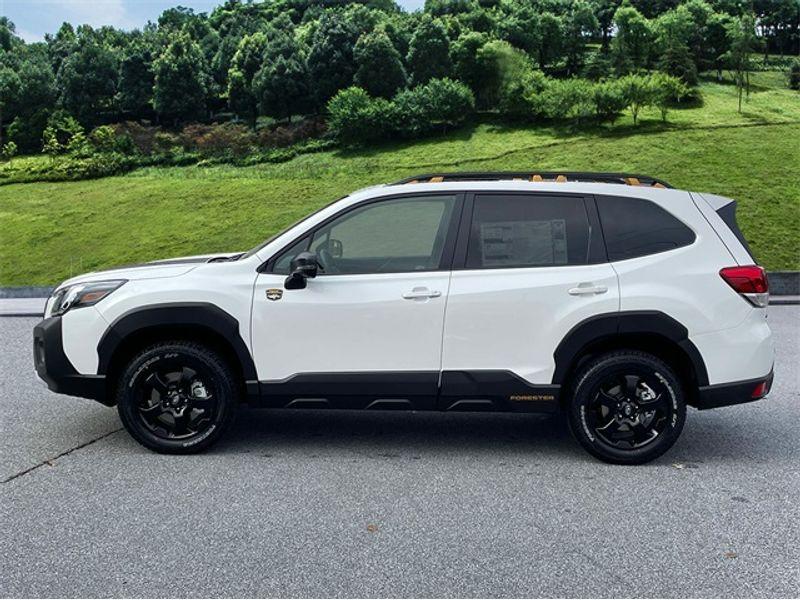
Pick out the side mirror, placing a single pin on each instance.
(303, 267)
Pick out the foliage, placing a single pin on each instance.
(632, 43)
(245, 64)
(331, 65)
(355, 117)
(9, 151)
(380, 67)
(429, 51)
(181, 81)
(87, 81)
(638, 93)
(439, 105)
(794, 75)
(281, 85)
(609, 100)
(742, 42)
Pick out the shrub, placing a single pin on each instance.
(794, 75)
(666, 90)
(638, 93)
(568, 99)
(437, 105)
(218, 140)
(9, 151)
(355, 117)
(522, 98)
(609, 100)
(134, 137)
(288, 134)
(103, 138)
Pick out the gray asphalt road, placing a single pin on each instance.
(394, 504)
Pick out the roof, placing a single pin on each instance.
(536, 176)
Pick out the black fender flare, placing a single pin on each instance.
(176, 314)
(606, 327)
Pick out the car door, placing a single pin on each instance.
(528, 268)
(367, 330)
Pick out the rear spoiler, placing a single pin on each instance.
(726, 209)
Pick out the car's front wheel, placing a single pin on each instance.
(177, 397)
(627, 407)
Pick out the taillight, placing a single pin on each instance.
(750, 282)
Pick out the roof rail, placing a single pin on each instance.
(557, 176)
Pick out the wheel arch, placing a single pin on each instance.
(197, 321)
(653, 332)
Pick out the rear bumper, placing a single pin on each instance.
(738, 392)
(54, 368)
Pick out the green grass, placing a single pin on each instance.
(49, 231)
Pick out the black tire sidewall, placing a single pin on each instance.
(592, 374)
(193, 355)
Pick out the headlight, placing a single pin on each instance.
(79, 295)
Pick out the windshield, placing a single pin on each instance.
(263, 244)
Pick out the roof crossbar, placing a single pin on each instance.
(558, 176)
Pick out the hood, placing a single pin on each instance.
(170, 267)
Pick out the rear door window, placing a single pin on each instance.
(527, 230)
(635, 227)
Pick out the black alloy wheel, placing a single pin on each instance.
(177, 397)
(627, 407)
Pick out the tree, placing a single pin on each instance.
(380, 68)
(87, 81)
(281, 86)
(630, 48)
(429, 51)
(579, 24)
(9, 96)
(550, 39)
(742, 40)
(666, 90)
(464, 56)
(246, 62)
(181, 81)
(500, 64)
(674, 30)
(135, 89)
(61, 45)
(331, 65)
(638, 93)
(716, 44)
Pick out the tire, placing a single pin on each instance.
(177, 397)
(626, 407)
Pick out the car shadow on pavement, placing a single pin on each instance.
(389, 433)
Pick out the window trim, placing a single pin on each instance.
(596, 252)
(445, 264)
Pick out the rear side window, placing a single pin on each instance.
(526, 230)
(634, 227)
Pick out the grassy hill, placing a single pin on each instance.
(49, 231)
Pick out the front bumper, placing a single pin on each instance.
(738, 392)
(54, 368)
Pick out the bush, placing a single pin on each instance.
(134, 137)
(794, 75)
(665, 91)
(437, 105)
(289, 134)
(638, 93)
(609, 100)
(218, 140)
(568, 99)
(103, 138)
(522, 98)
(9, 151)
(355, 117)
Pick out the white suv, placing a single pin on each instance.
(611, 297)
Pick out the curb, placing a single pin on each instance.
(781, 283)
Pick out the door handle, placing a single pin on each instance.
(421, 292)
(587, 289)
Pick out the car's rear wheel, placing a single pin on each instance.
(626, 407)
(177, 397)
